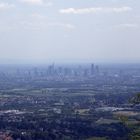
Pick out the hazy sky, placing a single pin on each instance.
(69, 31)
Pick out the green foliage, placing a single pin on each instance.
(136, 99)
(135, 134)
(123, 119)
(97, 138)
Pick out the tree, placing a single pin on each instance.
(136, 99)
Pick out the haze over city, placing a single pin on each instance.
(69, 69)
(40, 31)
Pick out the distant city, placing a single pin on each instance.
(69, 102)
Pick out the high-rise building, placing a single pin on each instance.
(97, 69)
(92, 69)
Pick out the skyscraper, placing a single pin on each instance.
(92, 69)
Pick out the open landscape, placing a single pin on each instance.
(69, 69)
(65, 102)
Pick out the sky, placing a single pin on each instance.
(45, 31)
